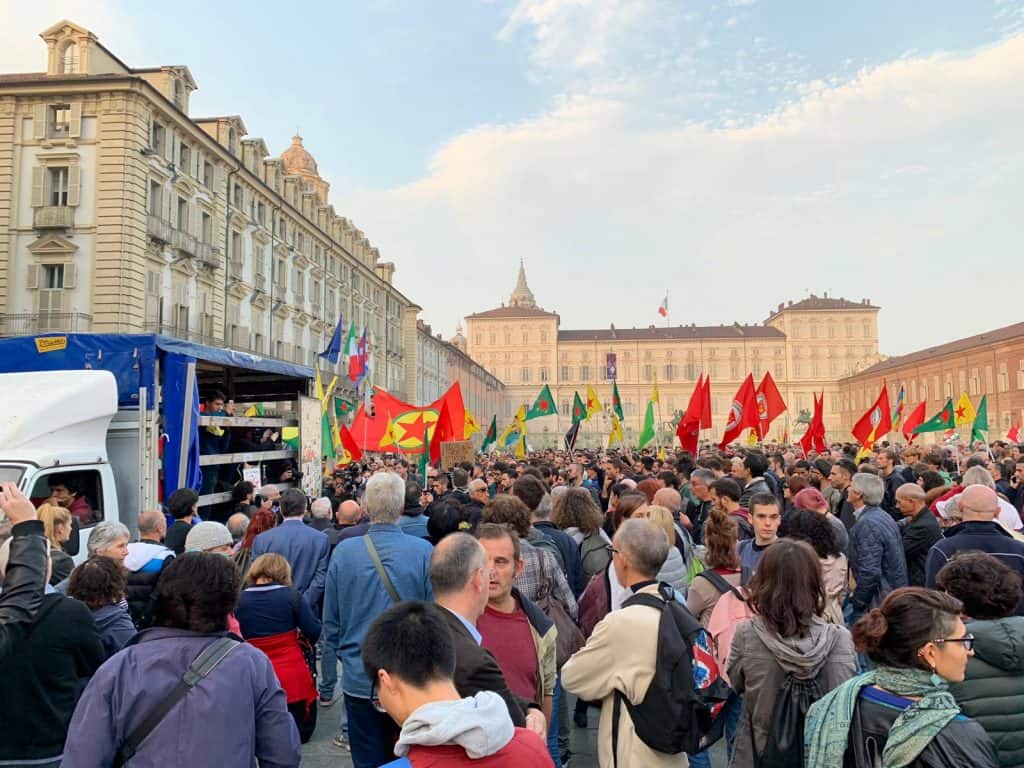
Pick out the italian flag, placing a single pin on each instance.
(355, 364)
(663, 308)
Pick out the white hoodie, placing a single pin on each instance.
(479, 724)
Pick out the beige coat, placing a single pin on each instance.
(620, 655)
(703, 597)
(836, 576)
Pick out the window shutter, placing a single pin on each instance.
(39, 121)
(70, 276)
(75, 121)
(38, 186)
(74, 184)
(33, 277)
(51, 300)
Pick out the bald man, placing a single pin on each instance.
(145, 562)
(980, 532)
(921, 529)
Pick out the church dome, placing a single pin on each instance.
(296, 159)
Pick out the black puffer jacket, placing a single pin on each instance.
(145, 562)
(993, 691)
(24, 582)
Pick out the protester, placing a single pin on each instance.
(413, 520)
(812, 528)
(145, 562)
(765, 517)
(262, 520)
(575, 512)
(840, 478)
(979, 531)
(901, 712)
(920, 530)
(545, 533)
(27, 571)
(182, 506)
(236, 715)
(358, 590)
(99, 583)
(273, 618)
(57, 528)
(722, 557)
(409, 656)
(673, 572)
(993, 690)
(304, 548)
(210, 537)
(789, 640)
(1007, 516)
(44, 661)
(877, 563)
(725, 495)
(812, 499)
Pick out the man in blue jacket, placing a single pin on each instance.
(367, 575)
(877, 562)
(306, 549)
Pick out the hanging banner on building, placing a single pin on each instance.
(611, 366)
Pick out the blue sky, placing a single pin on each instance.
(740, 152)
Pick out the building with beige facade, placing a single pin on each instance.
(122, 212)
(990, 363)
(808, 346)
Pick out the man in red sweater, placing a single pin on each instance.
(410, 660)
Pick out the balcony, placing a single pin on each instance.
(29, 324)
(158, 229)
(183, 242)
(208, 254)
(54, 217)
(236, 269)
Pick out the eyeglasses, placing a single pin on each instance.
(375, 699)
(612, 550)
(967, 640)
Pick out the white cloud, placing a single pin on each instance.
(896, 185)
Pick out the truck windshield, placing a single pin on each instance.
(11, 474)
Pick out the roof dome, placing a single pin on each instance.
(296, 159)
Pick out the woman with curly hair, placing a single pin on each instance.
(993, 690)
(901, 713)
(576, 513)
(100, 583)
(804, 525)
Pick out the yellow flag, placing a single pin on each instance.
(319, 387)
(616, 435)
(471, 426)
(655, 397)
(390, 437)
(864, 453)
(752, 439)
(661, 453)
(964, 412)
(521, 447)
(593, 404)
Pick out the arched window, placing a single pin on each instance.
(69, 59)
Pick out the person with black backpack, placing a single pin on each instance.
(785, 658)
(648, 663)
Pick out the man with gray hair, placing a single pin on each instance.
(621, 654)
(877, 561)
(460, 579)
(237, 524)
(920, 530)
(700, 507)
(366, 576)
(979, 532)
(478, 497)
(320, 511)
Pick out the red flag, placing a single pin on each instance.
(876, 422)
(913, 420)
(688, 430)
(351, 451)
(443, 432)
(705, 408)
(411, 422)
(769, 404)
(743, 413)
(814, 438)
(1014, 433)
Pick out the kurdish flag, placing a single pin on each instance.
(979, 430)
(544, 405)
(964, 411)
(579, 410)
(616, 400)
(940, 422)
(492, 435)
(593, 404)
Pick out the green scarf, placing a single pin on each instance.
(827, 730)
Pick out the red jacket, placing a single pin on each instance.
(526, 750)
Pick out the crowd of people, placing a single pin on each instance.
(756, 606)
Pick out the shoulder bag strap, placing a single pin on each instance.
(199, 669)
(616, 713)
(388, 585)
(721, 584)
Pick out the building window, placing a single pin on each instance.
(565, 407)
(543, 374)
(59, 185)
(60, 120)
(524, 375)
(1004, 378)
(584, 373)
(69, 59)
(185, 159)
(508, 339)
(849, 330)
(566, 373)
(237, 197)
(207, 174)
(52, 277)
(867, 330)
(526, 338)
(155, 198)
(648, 371)
(207, 228)
(1020, 375)
(669, 372)
(814, 331)
(183, 214)
(156, 137)
(734, 369)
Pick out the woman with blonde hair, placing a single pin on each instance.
(674, 570)
(277, 620)
(57, 527)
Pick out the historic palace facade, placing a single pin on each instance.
(808, 345)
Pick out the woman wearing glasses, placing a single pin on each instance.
(901, 713)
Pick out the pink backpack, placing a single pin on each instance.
(732, 608)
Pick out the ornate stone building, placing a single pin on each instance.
(808, 346)
(120, 212)
(990, 363)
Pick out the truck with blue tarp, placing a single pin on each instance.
(113, 421)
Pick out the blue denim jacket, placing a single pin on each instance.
(355, 595)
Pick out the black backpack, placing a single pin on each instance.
(785, 745)
(676, 713)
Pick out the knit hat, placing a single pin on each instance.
(206, 536)
(810, 498)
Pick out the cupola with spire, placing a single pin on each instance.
(522, 296)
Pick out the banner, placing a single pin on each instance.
(413, 424)
(611, 366)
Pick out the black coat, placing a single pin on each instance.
(176, 535)
(477, 670)
(23, 584)
(918, 536)
(43, 677)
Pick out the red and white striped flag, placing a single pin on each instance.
(663, 309)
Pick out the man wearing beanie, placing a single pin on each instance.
(210, 537)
